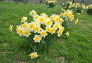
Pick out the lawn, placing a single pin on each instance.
(77, 48)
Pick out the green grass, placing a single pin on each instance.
(77, 48)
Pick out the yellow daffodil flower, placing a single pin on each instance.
(19, 30)
(31, 25)
(36, 28)
(37, 38)
(60, 20)
(23, 19)
(33, 13)
(57, 25)
(52, 31)
(27, 33)
(49, 23)
(71, 17)
(10, 27)
(43, 33)
(24, 25)
(60, 31)
(77, 21)
(33, 55)
(48, 29)
(67, 33)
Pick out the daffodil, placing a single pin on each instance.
(76, 22)
(24, 25)
(48, 29)
(60, 20)
(79, 13)
(44, 15)
(60, 31)
(19, 30)
(61, 28)
(68, 13)
(37, 38)
(31, 25)
(53, 30)
(33, 12)
(71, 18)
(42, 19)
(33, 55)
(56, 25)
(43, 33)
(36, 29)
(23, 19)
(54, 17)
(10, 27)
(35, 17)
(26, 33)
(67, 33)
(48, 23)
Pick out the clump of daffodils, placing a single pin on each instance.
(68, 15)
(76, 7)
(43, 26)
(89, 6)
(89, 9)
(51, 3)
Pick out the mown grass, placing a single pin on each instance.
(77, 48)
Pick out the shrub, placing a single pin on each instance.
(51, 3)
(76, 7)
(89, 9)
